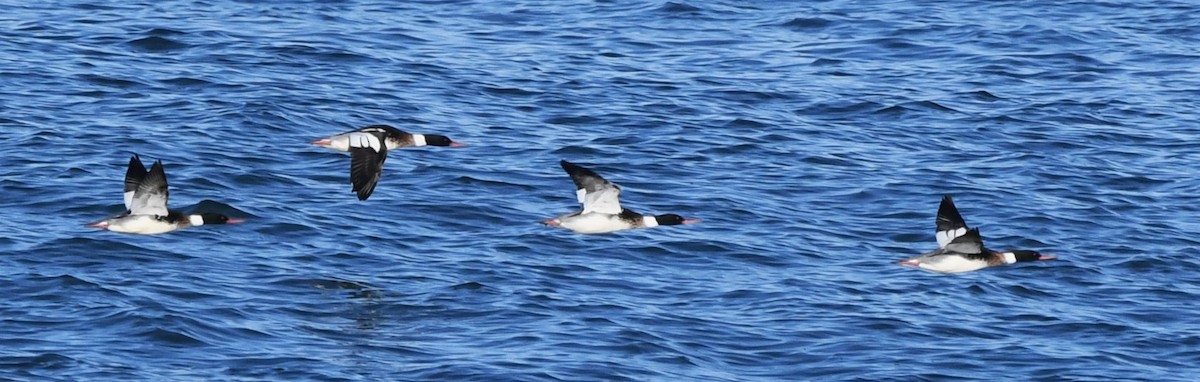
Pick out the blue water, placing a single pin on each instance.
(815, 140)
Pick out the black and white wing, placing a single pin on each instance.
(595, 193)
(969, 244)
(387, 130)
(367, 153)
(950, 224)
(150, 198)
(133, 177)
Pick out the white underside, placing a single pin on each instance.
(594, 223)
(951, 264)
(140, 224)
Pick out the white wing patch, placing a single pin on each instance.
(605, 201)
(418, 140)
(944, 237)
(580, 194)
(129, 200)
(364, 140)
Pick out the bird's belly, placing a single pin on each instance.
(142, 225)
(595, 223)
(952, 264)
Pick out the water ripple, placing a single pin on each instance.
(814, 140)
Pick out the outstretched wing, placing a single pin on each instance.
(150, 198)
(133, 177)
(367, 154)
(595, 193)
(969, 243)
(950, 224)
(387, 130)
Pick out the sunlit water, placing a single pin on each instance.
(815, 140)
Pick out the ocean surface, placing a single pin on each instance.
(814, 139)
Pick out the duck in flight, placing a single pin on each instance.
(368, 149)
(960, 249)
(602, 212)
(146, 205)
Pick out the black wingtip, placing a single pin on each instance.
(948, 217)
(363, 187)
(158, 169)
(366, 167)
(574, 169)
(947, 204)
(135, 163)
(134, 173)
(155, 179)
